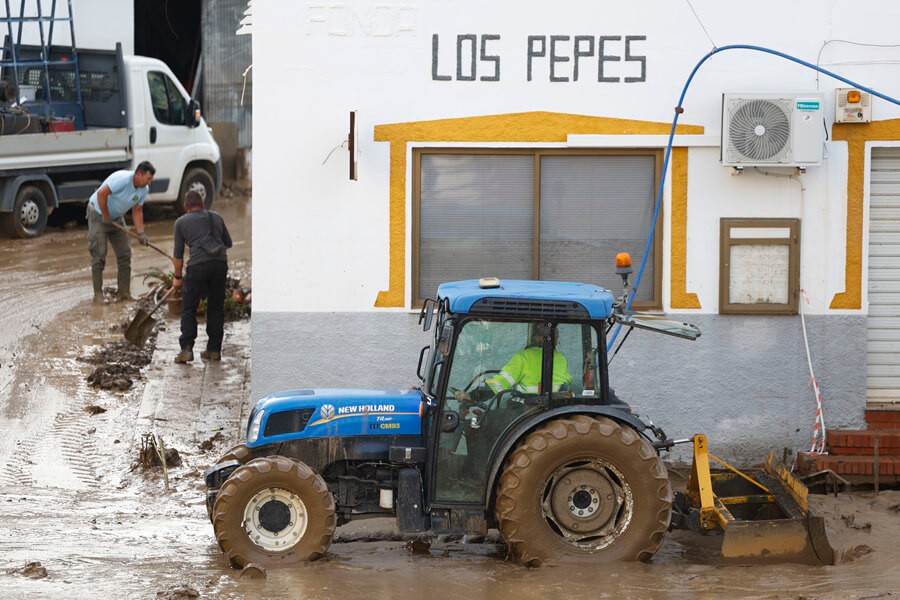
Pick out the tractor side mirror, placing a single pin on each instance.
(446, 339)
(421, 358)
(427, 314)
(623, 269)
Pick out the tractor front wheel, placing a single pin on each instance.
(238, 452)
(274, 511)
(583, 488)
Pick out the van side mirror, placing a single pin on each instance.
(195, 115)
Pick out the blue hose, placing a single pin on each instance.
(679, 110)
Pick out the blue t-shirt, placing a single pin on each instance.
(123, 195)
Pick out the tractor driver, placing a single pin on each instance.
(523, 371)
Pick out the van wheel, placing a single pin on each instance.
(583, 488)
(200, 181)
(29, 215)
(274, 511)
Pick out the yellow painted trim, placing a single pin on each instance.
(856, 135)
(530, 127)
(680, 297)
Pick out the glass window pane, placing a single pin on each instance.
(575, 362)
(492, 362)
(759, 274)
(159, 97)
(476, 218)
(593, 207)
(177, 105)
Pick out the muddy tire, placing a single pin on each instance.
(583, 488)
(274, 511)
(29, 213)
(238, 452)
(196, 180)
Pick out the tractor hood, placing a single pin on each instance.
(299, 414)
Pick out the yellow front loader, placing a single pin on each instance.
(763, 514)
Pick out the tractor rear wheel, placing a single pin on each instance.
(585, 488)
(274, 511)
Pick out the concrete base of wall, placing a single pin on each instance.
(744, 382)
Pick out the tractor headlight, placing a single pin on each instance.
(253, 432)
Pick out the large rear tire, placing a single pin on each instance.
(274, 511)
(583, 488)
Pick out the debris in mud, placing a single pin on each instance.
(418, 547)
(33, 569)
(207, 445)
(895, 508)
(173, 459)
(253, 571)
(857, 552)
(94, 409)
(113, 376)
(849, 522)
(178, 592)
(119, 352)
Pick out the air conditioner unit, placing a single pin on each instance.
(772, 130)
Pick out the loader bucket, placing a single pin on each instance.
(763, 513)
(800, 540)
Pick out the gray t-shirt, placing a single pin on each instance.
(192, 227)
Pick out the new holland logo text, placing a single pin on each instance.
(362, 409)
(327, 412)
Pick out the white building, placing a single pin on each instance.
(525, 140)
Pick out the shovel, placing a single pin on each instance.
(133, 234)
(140, 327)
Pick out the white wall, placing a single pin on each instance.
(99, 24)
(321, 241)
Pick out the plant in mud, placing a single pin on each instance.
(234, 310)
(157, 277)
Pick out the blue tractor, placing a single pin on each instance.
(514, 427)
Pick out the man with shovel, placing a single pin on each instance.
(122, 191)
(207, 237)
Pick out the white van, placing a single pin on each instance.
(133, 109)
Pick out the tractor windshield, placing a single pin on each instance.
(496, 367)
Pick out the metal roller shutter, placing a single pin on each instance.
(883, 370)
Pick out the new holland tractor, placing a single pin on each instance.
(514, 427)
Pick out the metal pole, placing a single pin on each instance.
(876, 464)
(45, 56)
(21, 22)
(12, 50)
(52, 23)
(75, 57)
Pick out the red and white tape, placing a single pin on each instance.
(818, 437)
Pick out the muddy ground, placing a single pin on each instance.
(74, 498)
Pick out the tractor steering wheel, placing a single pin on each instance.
(477, 377)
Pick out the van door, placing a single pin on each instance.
(170, 134)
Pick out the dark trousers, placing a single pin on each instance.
(204, 280)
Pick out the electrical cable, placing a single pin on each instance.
(822, 47)
(680, 109)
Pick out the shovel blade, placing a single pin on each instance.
(140, 328)
(800, 540)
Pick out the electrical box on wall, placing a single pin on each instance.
(852, 106)
(774, 130)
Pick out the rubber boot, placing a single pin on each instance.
(212, 356)
(124, 282)
(97, 279)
